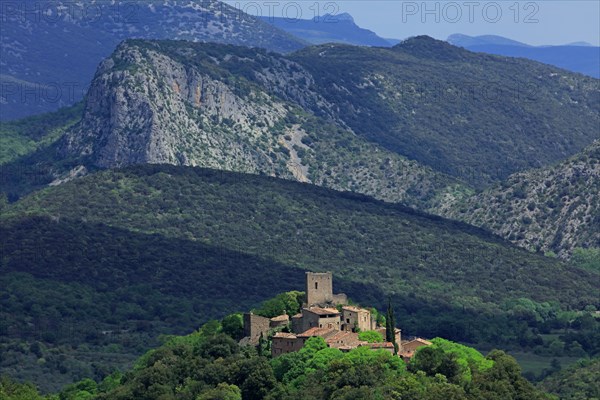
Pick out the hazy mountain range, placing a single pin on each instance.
(328, 28)
(49, 52)
(48, 56)
(577, 57)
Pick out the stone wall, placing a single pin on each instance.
(254, 325)
(340, 298)
(353, 318)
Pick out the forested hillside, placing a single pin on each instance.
(471, 115)
(578, 382)
(555, 209)
(26, 136)
(154, 249)
(209, 364)
(418, 123)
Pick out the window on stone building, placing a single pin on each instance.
(316, 285)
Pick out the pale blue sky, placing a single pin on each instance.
(546, 22)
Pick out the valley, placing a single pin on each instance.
(150, 229)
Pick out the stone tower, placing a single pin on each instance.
(319, 288)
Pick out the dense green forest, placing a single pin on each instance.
(80, 299)
(25, 136)
(577, 382)
(554, 209)
(148, 250)
(209, 364)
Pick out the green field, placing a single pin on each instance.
(533, 363)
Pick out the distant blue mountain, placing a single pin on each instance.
(330, 29)
(578, 57)
(468, 41)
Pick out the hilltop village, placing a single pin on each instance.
(326, 315)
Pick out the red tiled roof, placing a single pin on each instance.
(340, 335)
(322, 311)
(283, 317)
(316, 331)
(383, 345)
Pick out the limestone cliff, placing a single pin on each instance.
(236, 109)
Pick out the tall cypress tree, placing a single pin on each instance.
(390, 326)
(388, 323)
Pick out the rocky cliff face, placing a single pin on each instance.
(236, 109)
(552, 209)
(145, 107)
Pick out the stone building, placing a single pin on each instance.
(319, 290)
(357, 319)
(279, 321)
(387, 346)
(317, 317)
(255, 325)
(398, 334)
(344, 341)
(284, 343)
(297, 323)
(408, 348)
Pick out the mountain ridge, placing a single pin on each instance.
(307, 80)
(200, 106)
(577, 57)
(338, 28)
(55, 54)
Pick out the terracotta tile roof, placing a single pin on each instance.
(383, 345)
(344, 339)
(283, 317)
(340, 335)
(422, 341)
(299, 315)
(285, 335)
(355, 309)
(316, 331)
(322, 311)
